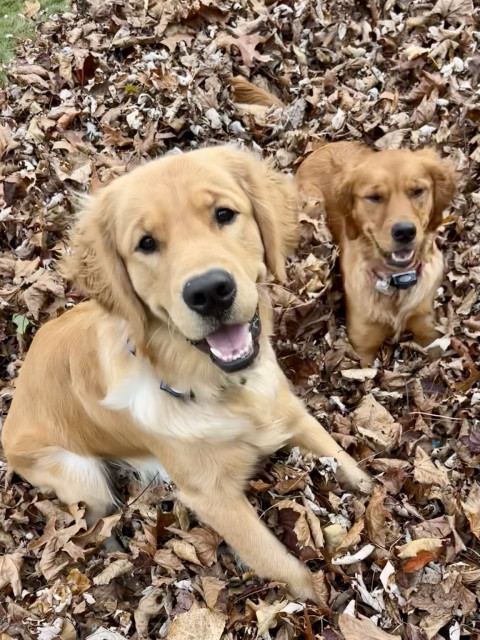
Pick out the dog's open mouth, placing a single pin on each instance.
(400, 258)
(232, 347)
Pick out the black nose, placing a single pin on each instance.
(211, 293)
(404, 232)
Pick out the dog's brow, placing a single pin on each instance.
(202, 198)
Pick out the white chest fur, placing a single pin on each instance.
(206, 417)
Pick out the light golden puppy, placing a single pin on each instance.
(383, 209)
(169, 367)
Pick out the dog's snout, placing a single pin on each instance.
(404, 232)
(211, 293)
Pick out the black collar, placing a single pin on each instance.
(187, 395)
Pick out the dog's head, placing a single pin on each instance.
(393, 199)
(184, 240)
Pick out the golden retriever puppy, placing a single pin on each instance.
(383, 209)
(169, 367)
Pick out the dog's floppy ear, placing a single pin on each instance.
(97, 268)
(345, 200)
(444, 181)
(275, 206)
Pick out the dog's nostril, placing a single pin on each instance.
(223, 290)
(404, 232)
(199, 299)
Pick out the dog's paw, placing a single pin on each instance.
(303, 589)
(356, 479)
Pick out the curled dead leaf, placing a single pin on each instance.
(114, 570)
(10, 567)
(213, 588)
(184, 550)
(376, 516)
(374, 422)
(149, 606)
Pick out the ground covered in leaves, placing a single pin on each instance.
(112, 84)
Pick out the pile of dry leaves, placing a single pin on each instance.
(116, 82)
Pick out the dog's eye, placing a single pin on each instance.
(376, 198)
(224, 216)
(147, 244)
(417, 192)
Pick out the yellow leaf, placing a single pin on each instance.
(411, 549)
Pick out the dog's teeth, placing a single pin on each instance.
(400, 256)
(216, 353)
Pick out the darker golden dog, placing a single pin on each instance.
(169, 367)
(384, 209)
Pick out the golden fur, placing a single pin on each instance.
(408, 186)
(83, 397)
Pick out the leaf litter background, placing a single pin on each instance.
(112, 84)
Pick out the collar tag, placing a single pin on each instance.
(404, 280)
(383, 287)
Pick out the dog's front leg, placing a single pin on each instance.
(422, 325)
(366, 336)
(232, 516)
(308, 434)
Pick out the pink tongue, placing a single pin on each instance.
(229, 339)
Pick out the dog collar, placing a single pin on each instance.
(187, 395)
(388, 285)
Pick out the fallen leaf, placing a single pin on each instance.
(426, 472)
(352, 537)
(199, 623)
(212, 589)
(352, 558)
(150, 605)
(471, 508)
(168, 560)
(105, 634)
(361, 629)
(31, 9)
(184, 550)
(78, 582)
(376, 423)
(419, 561)
(114, 570)
(267, 614)
(359, 374)
(411, 549)
(247, 45)
(10, 567)
(376, 516)
(205, 542)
